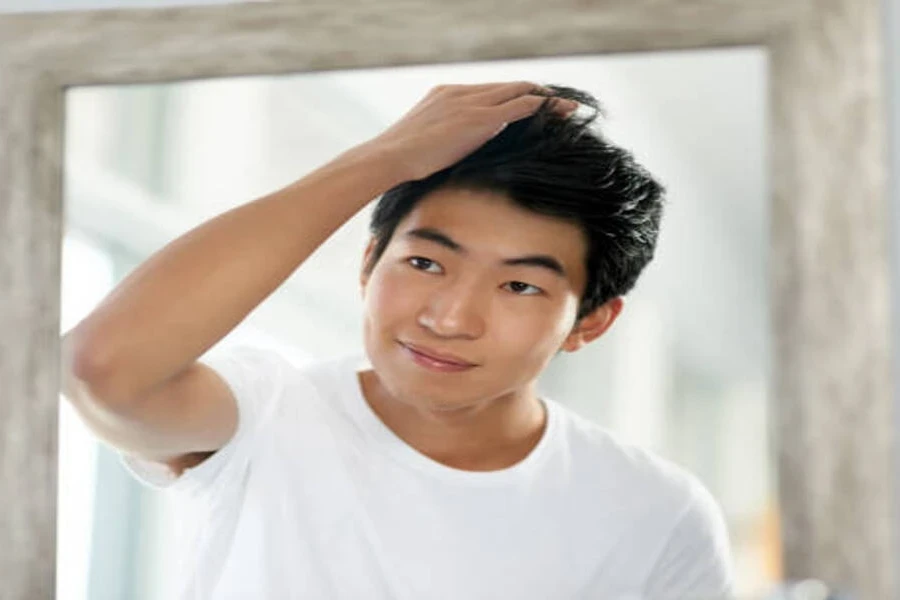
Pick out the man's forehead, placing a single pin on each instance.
(461, 211)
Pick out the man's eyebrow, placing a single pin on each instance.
(544, 261)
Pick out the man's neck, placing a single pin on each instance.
(486, 438)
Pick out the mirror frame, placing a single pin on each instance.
(831, 393)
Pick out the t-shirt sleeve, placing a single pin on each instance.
(256, 377)
(695, 563)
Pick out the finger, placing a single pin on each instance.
(475, 89)
(562, 106)
(565, 107)
(498, 93)
(525, 106)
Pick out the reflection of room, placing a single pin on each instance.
(684, 371)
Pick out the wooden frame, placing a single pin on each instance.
(832, 392)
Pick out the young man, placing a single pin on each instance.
(507, 231)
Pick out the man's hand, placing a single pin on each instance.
(452, 121)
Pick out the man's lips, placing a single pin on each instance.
(445, 357)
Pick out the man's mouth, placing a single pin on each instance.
(435, 359)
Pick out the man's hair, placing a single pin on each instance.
(556, 166)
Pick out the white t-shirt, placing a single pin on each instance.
(316, 498)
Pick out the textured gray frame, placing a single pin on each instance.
(832, 391)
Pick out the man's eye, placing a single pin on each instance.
(422, 264)
(519, 287)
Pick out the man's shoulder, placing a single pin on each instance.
(333, 371)
(278, 377)
(269, 359)
(607, 459)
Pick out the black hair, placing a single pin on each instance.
(561, 167)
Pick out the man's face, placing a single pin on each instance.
(447, 284)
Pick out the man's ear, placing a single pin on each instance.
(593, 325)
(363, 274)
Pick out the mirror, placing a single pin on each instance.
(684, 372)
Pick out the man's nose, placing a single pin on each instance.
(456, 310)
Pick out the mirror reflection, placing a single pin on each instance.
(679, 370)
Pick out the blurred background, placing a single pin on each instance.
(684, 372)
